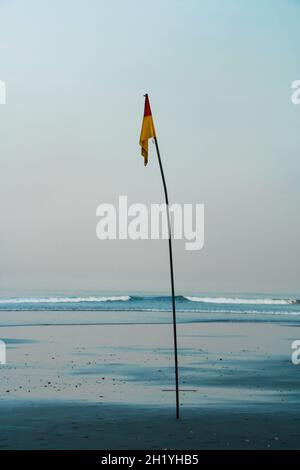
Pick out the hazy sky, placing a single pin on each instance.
(219, 76)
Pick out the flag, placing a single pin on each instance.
(147, 131)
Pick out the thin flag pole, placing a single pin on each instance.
(172, 275)
(147, 132)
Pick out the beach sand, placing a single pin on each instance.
(112, 387)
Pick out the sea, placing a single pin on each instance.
(126, 308)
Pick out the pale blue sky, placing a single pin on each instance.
(219, 76)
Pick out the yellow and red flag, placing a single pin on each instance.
(147, 131)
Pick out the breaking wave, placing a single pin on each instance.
(241, 301)
(62, 300)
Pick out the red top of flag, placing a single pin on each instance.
(147, 111)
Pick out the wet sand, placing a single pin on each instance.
(110, 387)
(97, 426)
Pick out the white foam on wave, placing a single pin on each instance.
(236, 300)
(54, 300)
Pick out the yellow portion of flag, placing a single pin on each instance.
(147, 132)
